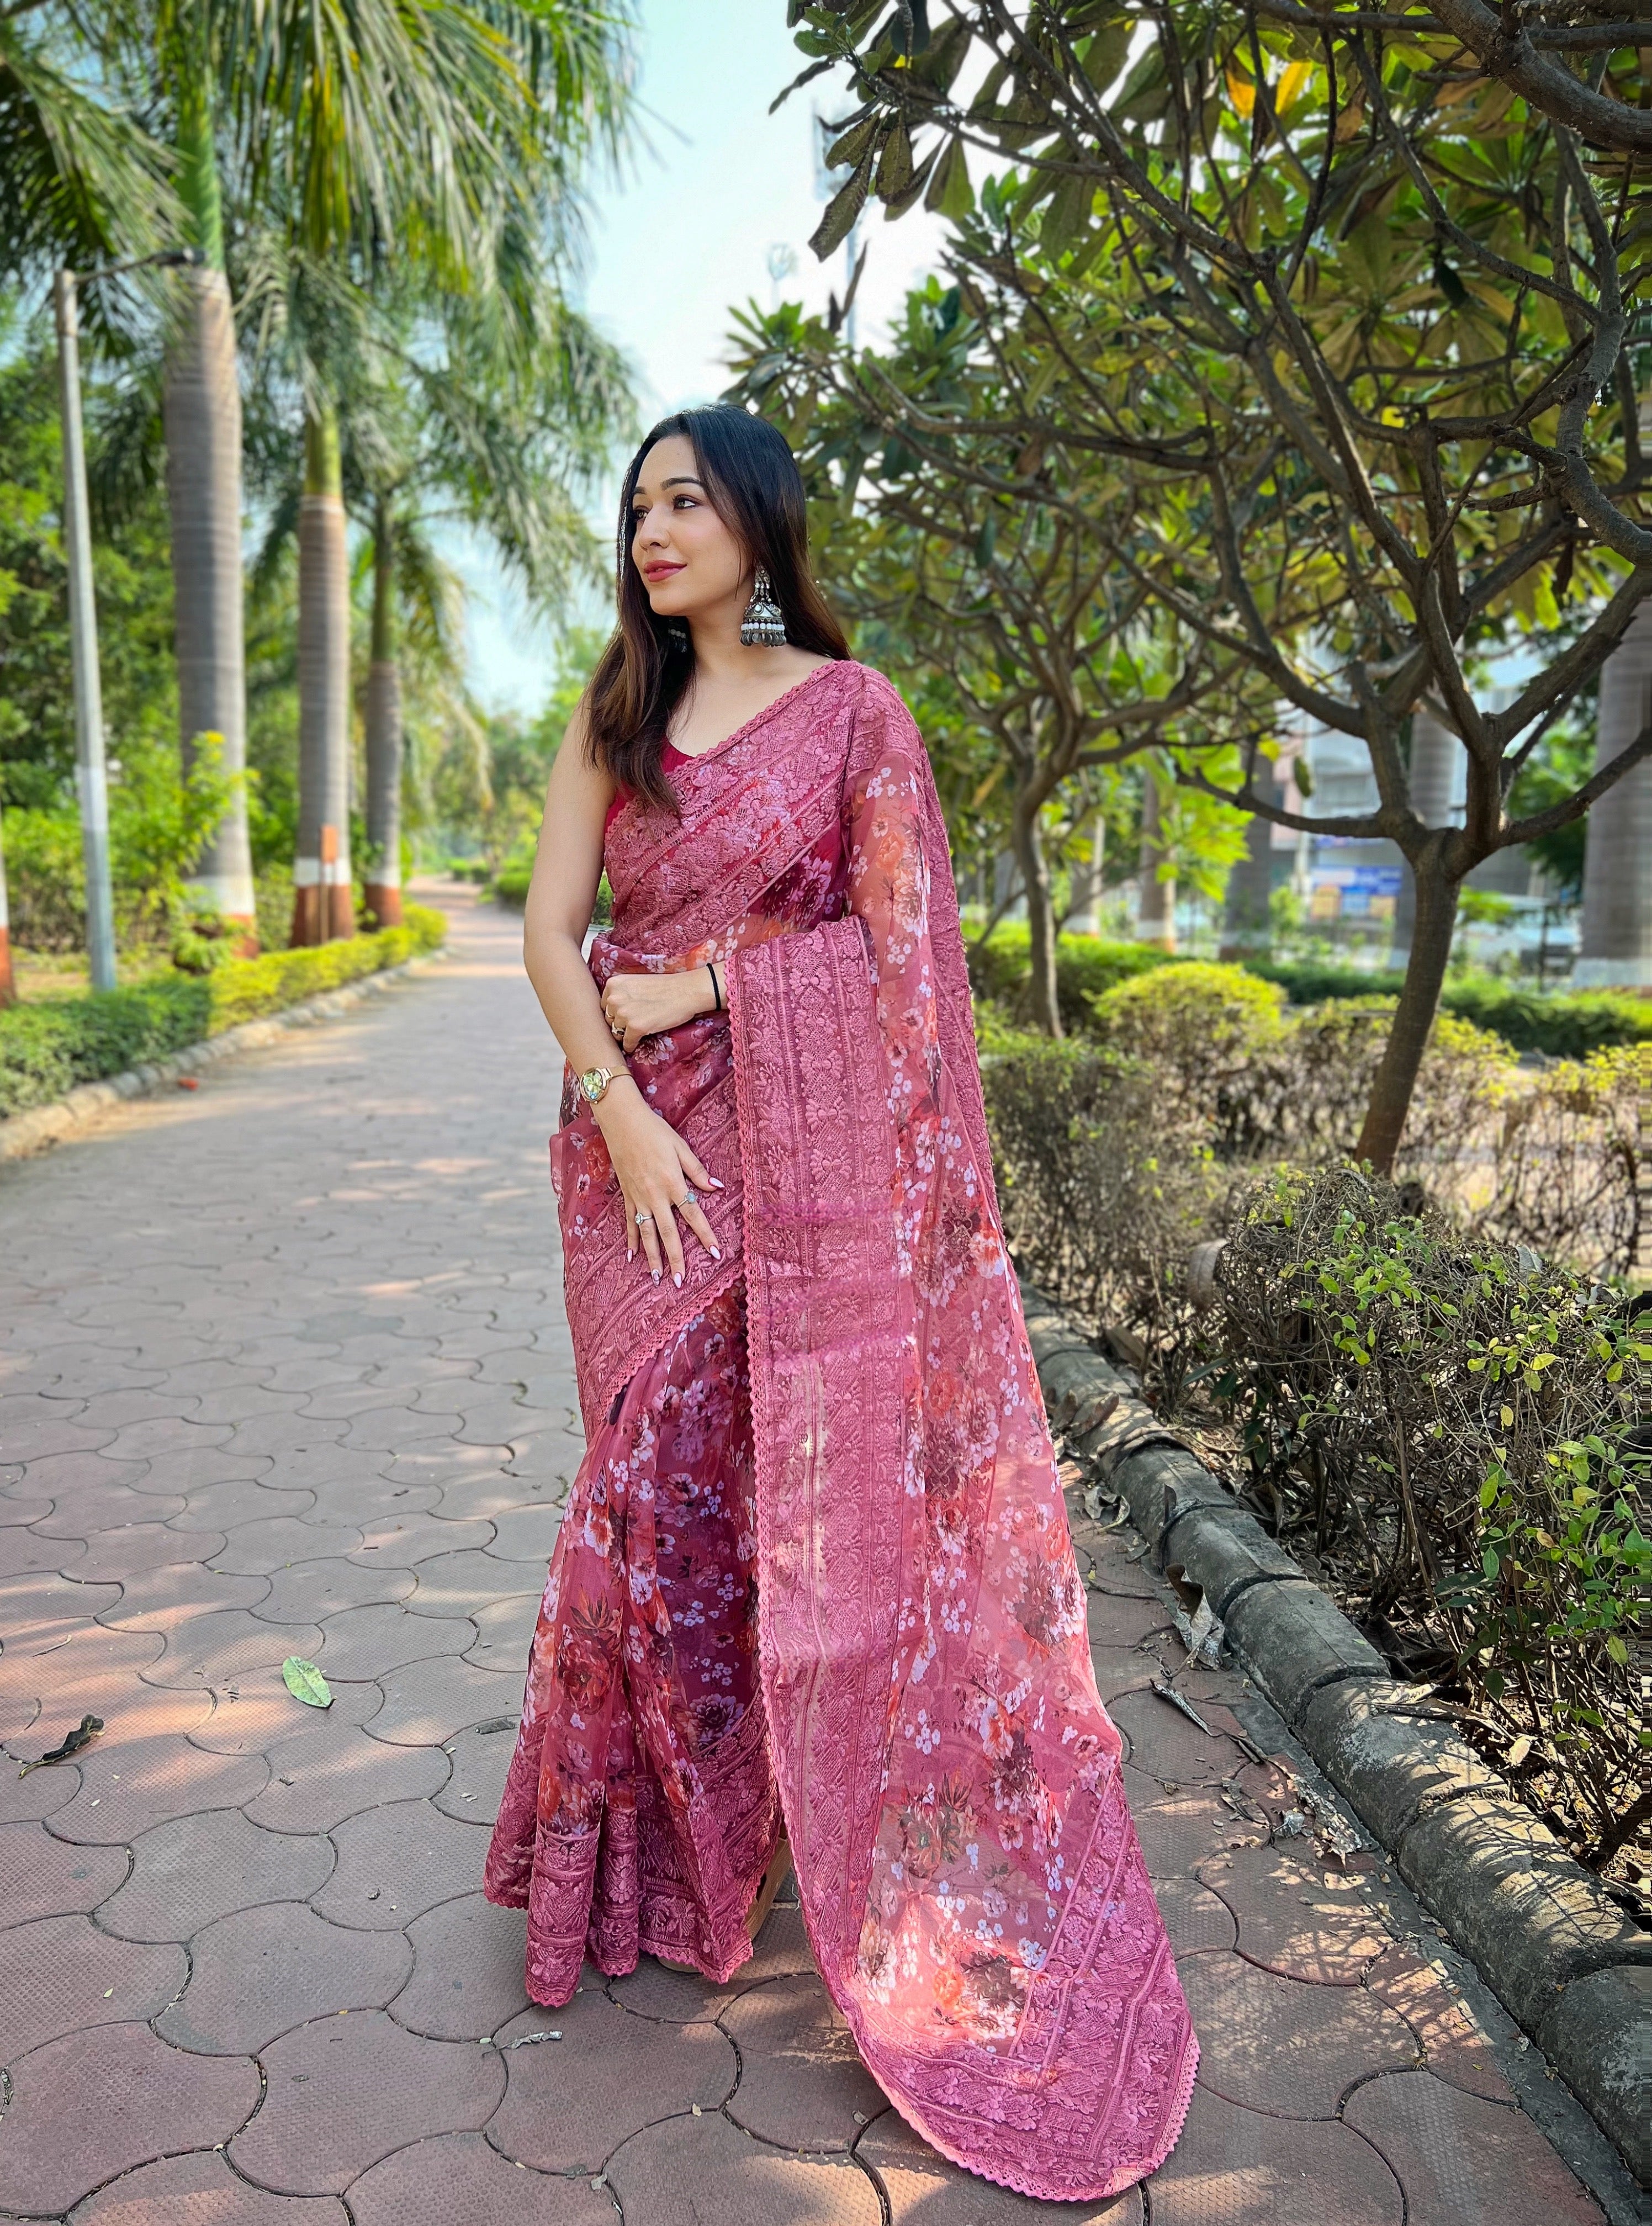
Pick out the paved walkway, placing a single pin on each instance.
(283, 1371)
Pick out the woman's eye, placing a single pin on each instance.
(685, 502)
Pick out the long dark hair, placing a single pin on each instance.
(753, 480)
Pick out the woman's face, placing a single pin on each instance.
(689, 561)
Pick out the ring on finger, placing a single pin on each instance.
(640, 1218)
(689, 1197)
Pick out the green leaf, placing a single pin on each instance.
(305, 1682)
(951, 193)
(835, 226)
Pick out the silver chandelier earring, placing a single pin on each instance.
(763, 627)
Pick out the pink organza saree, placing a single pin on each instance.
(815, 1564)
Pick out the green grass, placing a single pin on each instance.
(51, 1045)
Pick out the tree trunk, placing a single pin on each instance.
(1436, 755)
(8, 985)
(201, 416)
(1614, 948)
(1088, 881)
(1040, 914)
(322, 904)
(1397, 1077)
(1156, 905)
(384, 864)
(1246, 923)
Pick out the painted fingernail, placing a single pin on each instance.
(713, 1182)
(677, 1281)
(716, 1254)
(656, 1274)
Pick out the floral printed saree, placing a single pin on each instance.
(816, 1565)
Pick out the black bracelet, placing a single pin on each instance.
(716, 986)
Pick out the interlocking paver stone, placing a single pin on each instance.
(220, 1648)
(925, 2190)
(1446, 2034)
(43, 1877)
(462, 1584)
(1296, 1917)
(139, 2099)
(317, 1396)
(370, 1642)
(200, 2191)
(1238, 2167)
(735, 2179)
(1463, 2161)
(346, 2091)
(480, 1760)
(60, 1974)
(144, 1770)
(396, 1861)
(571, 2102)
(802, 2085)
(467, 1977)
(1273, 2044)
(458, 2178)
(263, 1971)
(428, 1701)
(324, 1588)
(504, 1631)
(186, 1874)
(262, 1547)
(331, 1768)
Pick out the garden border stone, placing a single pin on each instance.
(43, 1125)
(1568, 1962)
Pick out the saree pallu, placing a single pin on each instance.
(899, 1664)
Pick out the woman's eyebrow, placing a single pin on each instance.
(683, 478)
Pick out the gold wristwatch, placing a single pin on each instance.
(594, 1083)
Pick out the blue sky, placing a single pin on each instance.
(683, 237)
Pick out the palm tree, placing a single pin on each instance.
(201, 416)
(434, 422)
(80, 181)
(391, 127)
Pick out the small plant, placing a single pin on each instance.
(1105, 1187)
(1458, 1432)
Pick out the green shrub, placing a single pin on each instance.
(1458, 1432)
(1002, 968)
(510, 885)
(1106, 1184)
(1567, 1024)
(1201, 1025)
(1570, 1155)
(49, 1048)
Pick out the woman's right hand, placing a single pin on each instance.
(659, 1174)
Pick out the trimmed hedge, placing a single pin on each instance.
(48, 1048)
(1087, 966)
(1568, 1024)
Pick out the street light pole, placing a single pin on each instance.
(91, 771)
(91, 778)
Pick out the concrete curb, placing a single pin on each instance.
(43, 1125)
(1567, 1961)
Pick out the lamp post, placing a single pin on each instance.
(91, 772)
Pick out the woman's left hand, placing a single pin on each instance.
(639, 1005)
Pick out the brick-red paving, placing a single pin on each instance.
(284, 1368)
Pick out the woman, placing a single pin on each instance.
(814, 1575)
